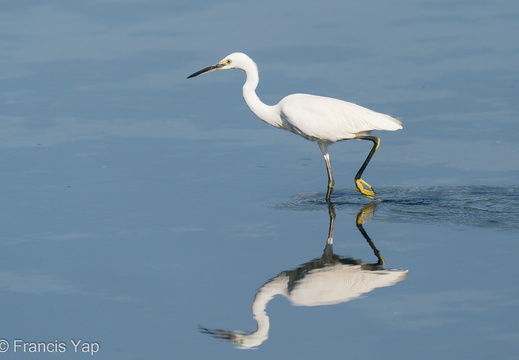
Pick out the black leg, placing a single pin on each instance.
(363, 187)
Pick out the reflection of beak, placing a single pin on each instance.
(206, 70)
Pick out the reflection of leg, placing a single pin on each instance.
(328, 255)
(331, 212)
(364, 215)
(363, 187)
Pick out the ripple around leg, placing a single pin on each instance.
(482, 206)
(317, 201)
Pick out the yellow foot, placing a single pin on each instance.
(365, 189)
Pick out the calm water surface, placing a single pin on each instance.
(147, 216)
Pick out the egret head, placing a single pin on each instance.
(232, 61)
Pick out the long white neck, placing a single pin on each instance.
(263, 111)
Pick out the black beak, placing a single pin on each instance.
(206, 70)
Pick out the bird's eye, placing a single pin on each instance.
(228, 62)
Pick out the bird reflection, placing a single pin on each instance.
(329, 279)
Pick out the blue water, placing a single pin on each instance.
(142, 213)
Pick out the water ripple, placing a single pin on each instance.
(480, 206)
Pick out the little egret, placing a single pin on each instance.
(321, 119)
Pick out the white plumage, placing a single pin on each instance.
(321, 119)
(331, 119)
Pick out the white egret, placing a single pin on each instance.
(321, 119)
